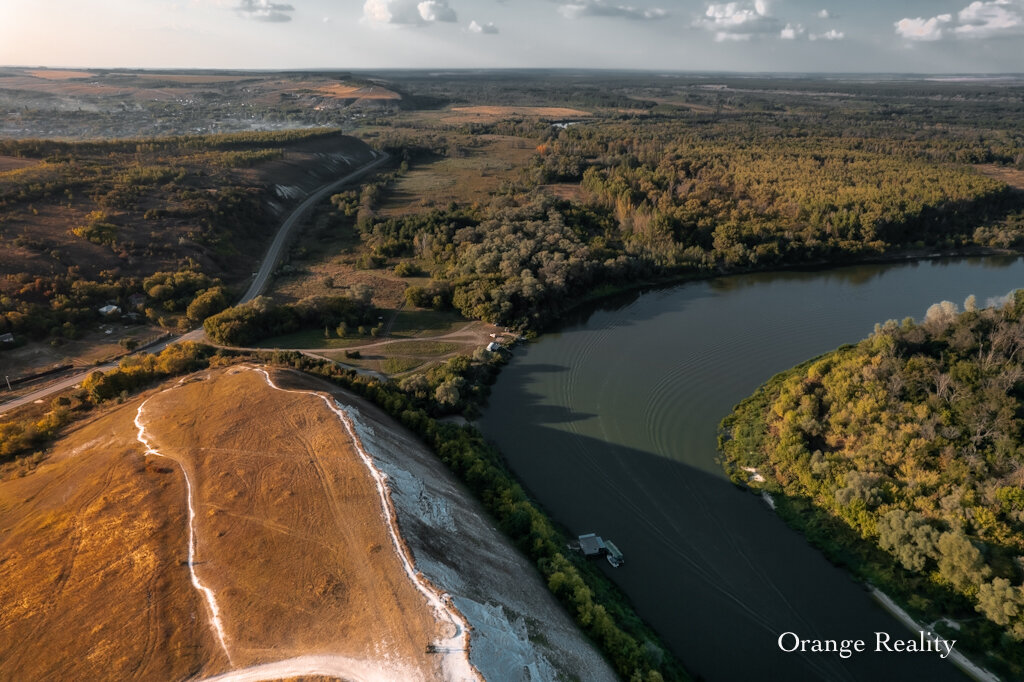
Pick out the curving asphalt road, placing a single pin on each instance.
(259, 283)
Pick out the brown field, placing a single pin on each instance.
(356, 92)
(569, 191)
(188, 78)
(1011, 176)
(501, 112)
(93, 583)
(59, 87)
(60, 74)
(290, 539)
(13, 162)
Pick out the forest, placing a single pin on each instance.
(903, 457)
(693, 182)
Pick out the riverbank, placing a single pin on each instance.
(849, 532)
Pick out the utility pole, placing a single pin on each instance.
(8, 383)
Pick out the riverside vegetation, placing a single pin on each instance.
(902, 457)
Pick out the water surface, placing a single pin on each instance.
(611, 424)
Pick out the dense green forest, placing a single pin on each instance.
(903, 456)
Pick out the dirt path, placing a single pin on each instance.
(349, 669)
(211, 600)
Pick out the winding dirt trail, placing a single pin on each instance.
(211, 600)
(223, 455)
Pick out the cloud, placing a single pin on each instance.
(980, 19)
(408, 11)
(791, 32)
(987, 19)
(600, 8)
(828, 35)
(436, 10)
(482, 28)
(265, 10)
(824, 14)
(741, 21)
(923, 29)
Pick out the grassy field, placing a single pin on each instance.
(464, 180)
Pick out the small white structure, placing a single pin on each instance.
(493, 346)
(7, 338)
(109, 310)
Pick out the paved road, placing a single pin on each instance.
(259, 283)
(262, 278)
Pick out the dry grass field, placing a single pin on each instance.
(466, 179)
(497, 112)
(60, 74)
(290, 542)
(1011, 176)
(13, 163)
(93, 581)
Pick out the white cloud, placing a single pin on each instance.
(980, 19)
(408, 11)
(740, 20)
(791, 32)
(265, 10)
(986, 19)
(824, 14)
(489, 27)
(436, 10)
(828, 35)
(923, 29)
(601, 8)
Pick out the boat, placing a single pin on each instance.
(614, 554)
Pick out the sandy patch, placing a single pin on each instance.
(60, 74)
(546, 112)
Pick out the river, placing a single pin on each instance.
(611, 425)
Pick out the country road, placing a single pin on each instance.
(259, 283)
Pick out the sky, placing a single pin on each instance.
(904, 36)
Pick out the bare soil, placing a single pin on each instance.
(290, 536)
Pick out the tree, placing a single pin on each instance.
(960, 562)
(1000, 601)
(908, 537)
(207, 303)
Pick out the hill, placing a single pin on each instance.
(242, 522)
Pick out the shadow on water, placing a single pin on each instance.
(716, 573)
(541, 412)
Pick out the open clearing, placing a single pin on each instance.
(13, 163)
(464, 180)
(290, 540)
(60, 74)
(252, 543)
(92, 577)
(1011, 176)
(504, 112)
